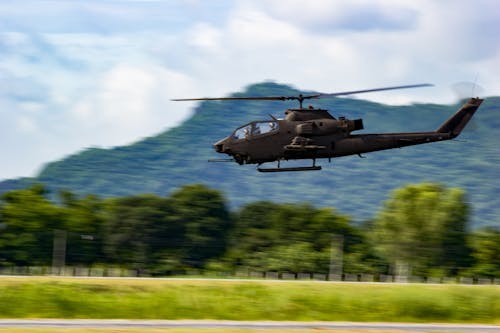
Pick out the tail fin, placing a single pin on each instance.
(456, 123)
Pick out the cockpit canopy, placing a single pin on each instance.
(255, 128)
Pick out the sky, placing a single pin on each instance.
(101, 73)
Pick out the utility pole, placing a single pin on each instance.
(336, 258)
(59, 251)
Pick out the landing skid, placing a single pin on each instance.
(310, 168)
(314, 167)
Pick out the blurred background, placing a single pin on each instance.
(85, 89)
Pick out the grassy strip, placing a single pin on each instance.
(242, 300)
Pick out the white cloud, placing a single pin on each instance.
(333, 16)
(129, 102)
(26, 125)
(116, 97)
(438, 46)
(205, 37)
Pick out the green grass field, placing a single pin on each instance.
(52, 297)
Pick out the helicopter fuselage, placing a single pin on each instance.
(315, 134)
(309, 133)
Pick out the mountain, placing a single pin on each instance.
(355, 186)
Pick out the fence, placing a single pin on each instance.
(122, 272)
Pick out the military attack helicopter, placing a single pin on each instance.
(311, 133)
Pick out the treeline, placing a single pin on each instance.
(421, 230)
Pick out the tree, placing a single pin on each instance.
(205, 221)
(84, 221)
(362, 257)
(28, 223)
(286, 237)
(423, 227)
(486, 252)
(139, 231)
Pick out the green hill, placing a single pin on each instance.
(355, 186)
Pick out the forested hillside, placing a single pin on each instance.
(162, 163)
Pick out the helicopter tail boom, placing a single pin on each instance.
(456, 123)
(450, 129)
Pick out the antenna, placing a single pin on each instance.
(474, 85)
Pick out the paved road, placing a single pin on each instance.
(220, 324)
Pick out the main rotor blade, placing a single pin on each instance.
(265, 98)
(299, 97)
(376, 89)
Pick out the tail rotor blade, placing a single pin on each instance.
(466, 89)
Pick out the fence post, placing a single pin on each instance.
(59, 251)
(337, 250)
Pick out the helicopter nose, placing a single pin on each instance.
(220, 146)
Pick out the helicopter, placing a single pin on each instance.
(313, 133)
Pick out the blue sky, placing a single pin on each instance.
(76, 74)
